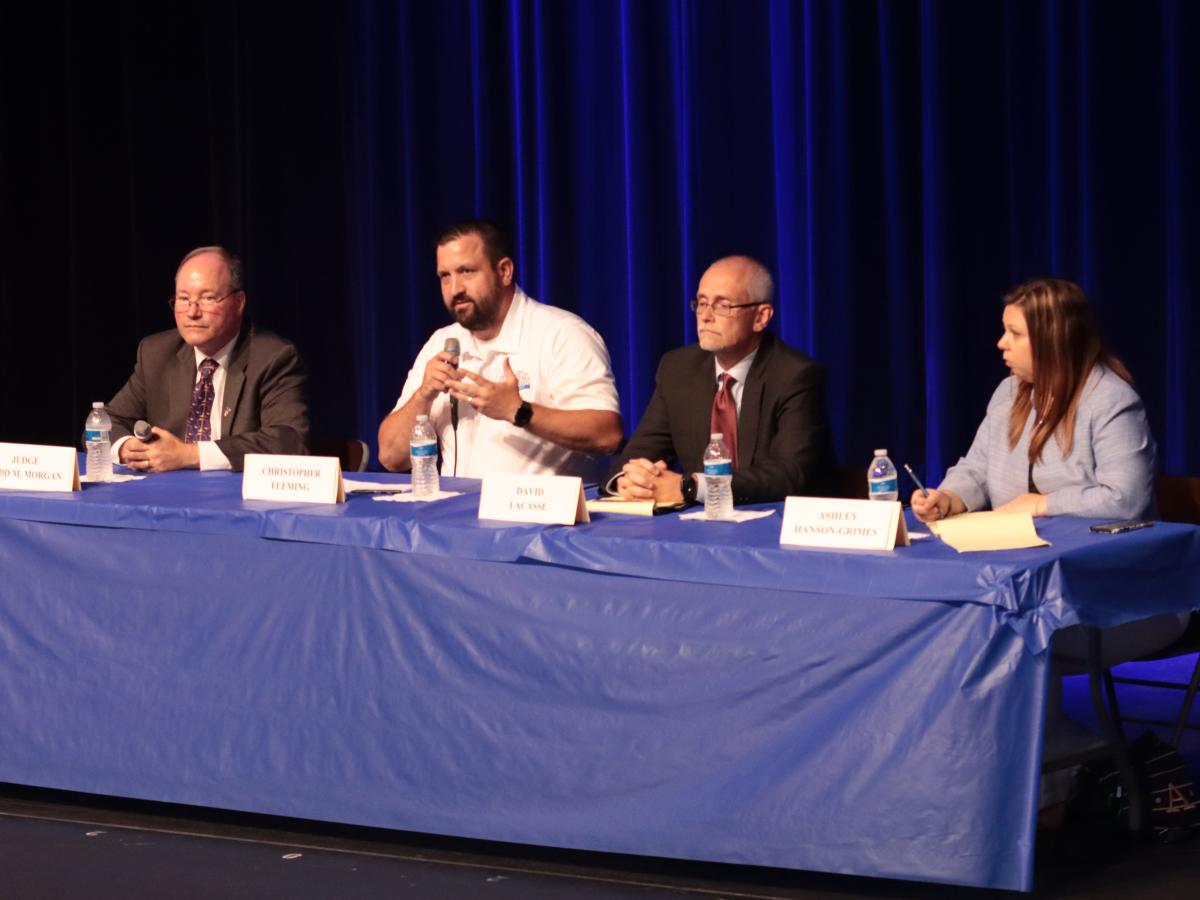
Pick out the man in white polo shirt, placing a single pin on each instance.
(532, 383)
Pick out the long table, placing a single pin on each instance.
(649, 686)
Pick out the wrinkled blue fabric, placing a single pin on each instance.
(643, 686)
(210, 503)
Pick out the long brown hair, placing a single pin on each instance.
(1066, 345)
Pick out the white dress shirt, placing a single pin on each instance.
(738, 371)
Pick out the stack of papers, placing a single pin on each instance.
(629, 507)
(988, 531)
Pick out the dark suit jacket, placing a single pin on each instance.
(264, 405)
(784, 442)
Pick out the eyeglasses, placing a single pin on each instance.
(181, 304)
(721, 306)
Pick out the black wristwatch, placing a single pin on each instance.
(687, 487)
(524, 414)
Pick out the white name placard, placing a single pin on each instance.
(843, 524)
(547, 499)
(35, 467)
(293, 479)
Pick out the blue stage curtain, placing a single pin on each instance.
(898, 165)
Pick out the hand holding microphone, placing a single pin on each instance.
(154, 449)
(439, 372)
(143, 432)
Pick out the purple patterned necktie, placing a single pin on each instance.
(199, 428)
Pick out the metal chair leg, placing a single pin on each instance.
(1111, 690)
(1138, 805)
(1188, 699)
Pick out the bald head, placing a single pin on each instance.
(754, 277)
(233, 265)
(733, 307)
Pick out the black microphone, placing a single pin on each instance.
(452, 348)
(141, 431)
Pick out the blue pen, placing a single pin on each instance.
(913, 476)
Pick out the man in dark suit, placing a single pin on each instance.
(214, 388)
(740, 373)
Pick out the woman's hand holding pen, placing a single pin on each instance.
(937, 505)
(929, 506)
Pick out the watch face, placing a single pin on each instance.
(524, 414)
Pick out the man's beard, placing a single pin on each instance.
(478, 315)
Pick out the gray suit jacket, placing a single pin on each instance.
(264, 406)
(784, 443)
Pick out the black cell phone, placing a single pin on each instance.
(1118, 527)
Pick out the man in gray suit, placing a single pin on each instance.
(766, 398)
(213, 388)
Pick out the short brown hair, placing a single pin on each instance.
(496, 242)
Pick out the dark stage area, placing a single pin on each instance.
(897, 166)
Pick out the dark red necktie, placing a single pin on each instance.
(199, 421)
(724, 416)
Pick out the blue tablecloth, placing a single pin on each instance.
(652, 686)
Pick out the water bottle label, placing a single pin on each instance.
(884, 487)
(429, 449)
(94, 434)
(724, 467)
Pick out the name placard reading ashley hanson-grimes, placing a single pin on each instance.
(843, 524)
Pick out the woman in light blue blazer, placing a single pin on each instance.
(1065, 434)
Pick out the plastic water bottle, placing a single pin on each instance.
(881, 478)
(718, 478)
(423, 451)
(97, 434)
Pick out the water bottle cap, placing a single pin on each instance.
(98, 404)
(716, 436)
(881, 452)
(422, 418)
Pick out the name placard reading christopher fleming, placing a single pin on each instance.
(293, 479)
